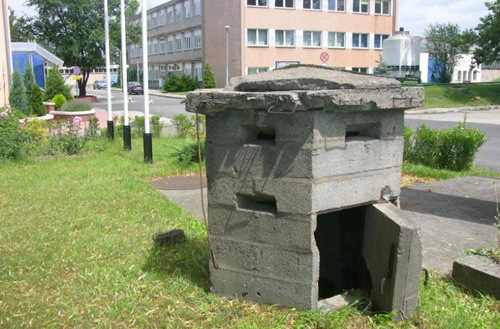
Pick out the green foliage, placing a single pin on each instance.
(21, 28)
(18, 114)
(209, 81)
(188, 153)
(446, 43)
(67, 139)
(132, 74)
(13, 138)
(28, 79)
(493, 253)
(37, 129)
(182, 124)
(488, 35)
(55, 85)
(181, 83)
(465, 95)
(155, 123)
(35, 106)
(139, 123)
(93, 128)
(59, 100)
(382, 69)
(17, 96)
(453, 149)
(76, 107)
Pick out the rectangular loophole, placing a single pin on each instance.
(257, 202)
(362, 131)
(259, 135)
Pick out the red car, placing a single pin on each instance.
(135, 87)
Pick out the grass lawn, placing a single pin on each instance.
(461, 95)
(76, 251)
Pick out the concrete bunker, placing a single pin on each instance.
(299, 179)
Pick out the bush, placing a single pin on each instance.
(93, 128)
(59, 100)
(76, 107)
(13, 138)
(18, 114)
(181, 83)
(155, 124)
(36, 107)
(67, 140)
(55, 85)
(17, 96)
(182, 124)
(189, 152)
(37, 129)
(208, 77)
(139, 121)
(453, 149)
(28, 79)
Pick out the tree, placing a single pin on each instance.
(75, 30)
(445, 44)
(28, 79)
(382, 68)
(488, 35)
(208, 77)
(17, 96)
(21, 28)
(55, 85)
(35, 106)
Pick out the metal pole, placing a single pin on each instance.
(127, 139)
(6, 17)
(227, 27)
(111, 128)
(148, 142)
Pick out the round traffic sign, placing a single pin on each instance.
(324, 57)
(76, 70)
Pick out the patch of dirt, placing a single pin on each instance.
(409, 179)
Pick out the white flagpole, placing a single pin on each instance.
(148, 143)
(111, 131)
(126, 127)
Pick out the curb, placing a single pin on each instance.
(453, 109)
(157, 93)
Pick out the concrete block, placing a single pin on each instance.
(479, 273)
(393, 255)
(243, 285)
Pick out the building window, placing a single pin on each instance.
(257, 3)
(187, 41)
(150, 51)
(360, 69)
(361, 6)
(170, 44)
(171, 67)
(360, 40)
(285, 38)
(170, 14)
(187, 8)
(197, 7)
(379, 40)
(336, 5)
(163, 17)
(178, 12)
(198, 71)
(163, 46)
(148, 23)
(155, 46)
(284, 4)
(312, 38)
(197, 39)
(178, 42)
(383, 7)
(154, 21)
(256, 37)
(187, 69)
(255, 70)
(336, 39)
(312, 4)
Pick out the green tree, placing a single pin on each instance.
(21, 28)
(382, 68)
(75, 30)
(35, 105)
(17, 96)
(55, 85)
(445, 44)
(488, 35)
(28, 78)
(208, 77)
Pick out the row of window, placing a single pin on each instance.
(255, 70)
(181, 10)
(172, 43)
(381, 7)
(190, 69)
(313, 39)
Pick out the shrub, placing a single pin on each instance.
(28, 79)
(189, 152)
(155, 124)
(181, 83)
(76, 107)
(59, 100)
(182, 124)
(17, 96)
(18, 114)
(55, 85)
(93, 128)
(408, 146)
(426, 146)
(67, 140)
(139, 121)
(13, 139)
(35, 106)
(37, 129)
(208, 77)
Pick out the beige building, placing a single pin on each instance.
(265, 34)
(5, 62)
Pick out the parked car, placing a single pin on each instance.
(98, 84)
(135, 87)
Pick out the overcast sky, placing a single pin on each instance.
(414, 15)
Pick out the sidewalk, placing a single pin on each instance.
(452, 109)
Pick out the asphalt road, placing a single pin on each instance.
(161, 106)
(486, 121)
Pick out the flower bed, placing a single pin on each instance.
(46, 117)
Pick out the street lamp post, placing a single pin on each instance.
(127, 140)
(227, 27)
(148, 142)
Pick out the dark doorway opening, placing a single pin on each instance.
(339, 238)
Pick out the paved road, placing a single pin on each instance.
(161, 106)
(486, 121)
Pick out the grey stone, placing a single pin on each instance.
(479, 273)
(393, 255)
(169, 237)
(308, 78)
(332, 304)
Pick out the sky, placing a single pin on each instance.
(414, 15)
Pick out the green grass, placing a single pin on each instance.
(442, 174)
(76, 251)
(461, 95)
(491, 253)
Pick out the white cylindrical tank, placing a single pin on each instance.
(401, 50)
